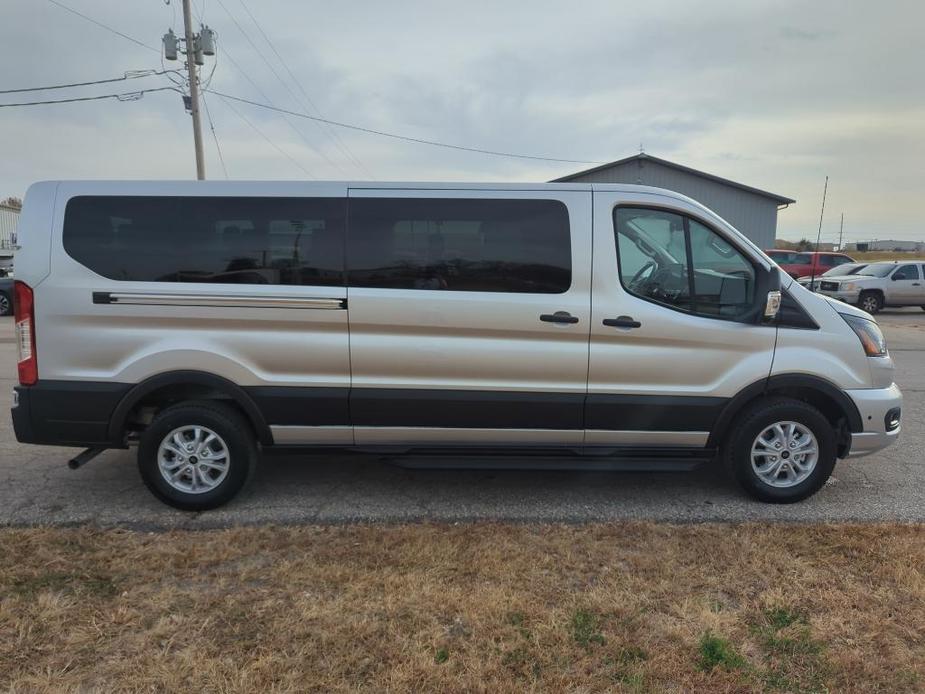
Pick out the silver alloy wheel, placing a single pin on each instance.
(784, 454)
(869, 303)
(193, 459)
(4, 305)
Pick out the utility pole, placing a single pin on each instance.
(197, 45)
(193, 87)
(841, 232)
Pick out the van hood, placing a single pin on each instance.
(846, 309)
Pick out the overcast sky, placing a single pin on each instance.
(776, 95)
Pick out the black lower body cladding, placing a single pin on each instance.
(67, 413)
(80, 413)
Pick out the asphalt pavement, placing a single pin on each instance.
(37, 488)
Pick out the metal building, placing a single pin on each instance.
(9, 220)
(750, 210)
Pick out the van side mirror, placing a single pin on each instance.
(767, 297)
(772, 305)
(899, 276)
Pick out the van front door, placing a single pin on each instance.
(469, 313)
(666, 351)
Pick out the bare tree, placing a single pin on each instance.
(14, 202)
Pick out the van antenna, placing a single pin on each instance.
(812, 274)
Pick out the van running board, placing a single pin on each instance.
(565, 463)
(577, 464)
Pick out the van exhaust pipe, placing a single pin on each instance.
(82, 459)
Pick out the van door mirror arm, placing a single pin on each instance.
(767, 297)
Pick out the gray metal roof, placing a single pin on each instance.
(780, 199)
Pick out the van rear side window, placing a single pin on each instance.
(474, 245)
(281, 241)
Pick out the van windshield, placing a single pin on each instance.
(802, 259)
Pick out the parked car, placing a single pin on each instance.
(781, 256)
(847, 269)
(889, 283)
(813, 263)
(579, 325)
(6, 296)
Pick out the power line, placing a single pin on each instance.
(324, 128)
(260, 132)
(131, 75)
(281, 81)
(124, 96)
(406, 138)
(105, 26)
(218, 147)
(244, 73)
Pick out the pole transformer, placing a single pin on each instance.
(197, 46)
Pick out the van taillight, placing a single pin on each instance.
(24, 311)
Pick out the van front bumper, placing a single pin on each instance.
(880, 410)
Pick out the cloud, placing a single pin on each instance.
(798, 34)
(723, 86)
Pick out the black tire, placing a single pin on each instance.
(233, 430)
(6, 304)
(764, 413)
(871, 302)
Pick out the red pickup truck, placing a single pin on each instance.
(798, 264)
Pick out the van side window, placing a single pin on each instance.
(909, 272)
(223, 240)
(474, 245)
(674, 260)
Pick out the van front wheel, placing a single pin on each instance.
(197, 455)
(781, 450)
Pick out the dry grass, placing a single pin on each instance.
(491, 608)
(873, 256)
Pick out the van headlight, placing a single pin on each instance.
(849, 286)
(868, 333)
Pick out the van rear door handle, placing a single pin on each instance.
(622, 322)
(559, 317)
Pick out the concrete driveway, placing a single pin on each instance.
(36, 487)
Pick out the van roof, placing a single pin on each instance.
(102, 185)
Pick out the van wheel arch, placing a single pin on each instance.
(166, 389)
(825, 396)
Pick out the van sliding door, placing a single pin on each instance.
(469, 316)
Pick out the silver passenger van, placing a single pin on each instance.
(570, 325)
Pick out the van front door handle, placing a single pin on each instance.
(622, 322)
(559, 317)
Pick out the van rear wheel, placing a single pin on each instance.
(197, 455)
(781, 450)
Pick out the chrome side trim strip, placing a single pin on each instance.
(144, 299)
(345, 435)
(336, 435)
(452, 436)
(694, 439)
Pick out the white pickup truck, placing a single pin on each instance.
(890, 283)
